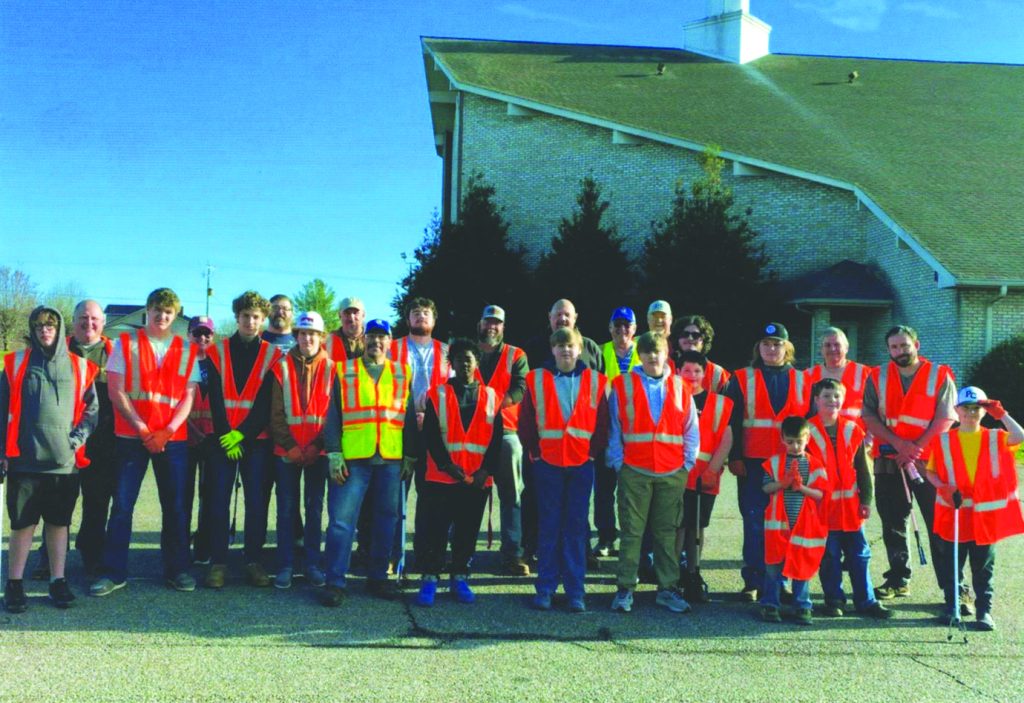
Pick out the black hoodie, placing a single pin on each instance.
(48, 435)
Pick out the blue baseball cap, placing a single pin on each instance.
(623, 313)
(378, 327)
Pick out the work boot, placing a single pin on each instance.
(889, 590)
(802, 616)
(216, 576)
(14, 597)
(333, 596)
(515, 566)
(256, 575)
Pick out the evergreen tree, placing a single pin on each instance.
(319, 297)
(466, 265)
(587, 264)
(705, 259)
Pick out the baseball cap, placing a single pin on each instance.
(660, 306)
(351, 302)
(623, 313)
(493, 311)
(970, 395)
(201, 322)
(775, 330)
(378, 327)
(309, 321)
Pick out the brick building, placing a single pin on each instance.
(886, 191)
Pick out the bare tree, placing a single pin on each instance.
(64, 297)
(18, 296)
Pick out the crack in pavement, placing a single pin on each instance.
(955, 678)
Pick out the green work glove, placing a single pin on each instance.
(408, 467)
(339, 471)
(231, 439)
(235, 453)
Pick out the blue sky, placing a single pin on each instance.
(282, 141)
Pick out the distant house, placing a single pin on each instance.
(128, 318)
(886, 191)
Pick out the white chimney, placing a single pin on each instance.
(729, 32)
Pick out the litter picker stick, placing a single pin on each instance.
(699, 541)
(913, 517)
(954, 617)
(3, 480)
(400, 566)
(234, 512)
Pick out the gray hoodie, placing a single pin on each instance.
(48, 435)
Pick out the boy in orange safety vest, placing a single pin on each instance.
(974, 473)
(795, 530)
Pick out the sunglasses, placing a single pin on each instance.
(691, 335)
(202, 333)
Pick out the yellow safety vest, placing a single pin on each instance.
(372, 414)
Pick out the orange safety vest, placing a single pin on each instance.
(154, 391)
(908, 416)
(108, 345)
(991, 506)
(761, 435)
(802, 547)
(646, 446)
(855, 377)
(335, 347)
(304, 423)
(713, 422)
(716, 378)
(500, 381)
(15, 366)
(439, 374)
(565, 442)
(237, 405)
(466, 445)
(373, 414)
(841, 505)
(200, 415)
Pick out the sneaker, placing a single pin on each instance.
(576, 605)
(182, 582)
(461, 590)
(385, 589)
(877, 611)
(333, 596)
(802, 616)
(256, 575)
(283, 579)
(831, 610)
(672, 599)
(985, 621)
(104, 587)
(769, 613)
(428, 590)
(216, 576)
(14, 597)
(603, 549)
(623, 600)
(515, 566)
(316, 577)
(61, 594)
(888, 591)
(750, 594)
(541, 601)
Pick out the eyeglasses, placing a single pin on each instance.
(281, 308)
(44, 326)
(691, 335)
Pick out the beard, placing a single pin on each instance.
(420, 330)
(278, 322)
(487, 338)
(904, 360)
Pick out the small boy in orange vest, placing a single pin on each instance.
(974, 473)
(795, 529)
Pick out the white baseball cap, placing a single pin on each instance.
(309, 321)
(970, 395)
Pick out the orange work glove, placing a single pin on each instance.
(993, 408)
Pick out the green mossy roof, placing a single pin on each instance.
(938, 146)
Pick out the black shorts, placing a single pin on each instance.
(51, 497)
(707, 503)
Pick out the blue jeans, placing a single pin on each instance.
(171, 470)
(605, 479)
(509, 481)
(855, 547)
(752, 502)
(288, 477)
(343, 503)
(772, 586)
(563, 537)
(256, 469)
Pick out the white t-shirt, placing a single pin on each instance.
(115, 364)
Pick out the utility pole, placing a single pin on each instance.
(209, 290)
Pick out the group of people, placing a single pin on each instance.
(642, 425)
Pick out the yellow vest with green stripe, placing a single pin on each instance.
(372, 414)
(611, 360)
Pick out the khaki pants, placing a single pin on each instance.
(657, 500)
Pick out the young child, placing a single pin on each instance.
(795, 530)
(973, 471)
(838, 443)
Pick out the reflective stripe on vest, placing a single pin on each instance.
(373, 414)
(154, 390)
(238, 404)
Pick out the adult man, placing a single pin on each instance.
(369, 423)
(563, 314)
(763, 394)
(659, 317)
(152, 376)
(239, 384)
(619, 357)
(347, 341)
(909, 401)
(48, 407)
(853, 376)
(279, 324)
(503, 367)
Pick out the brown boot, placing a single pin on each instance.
(215, 576)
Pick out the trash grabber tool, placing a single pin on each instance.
(400, 565)
(913, 517)
(955, 621)
(3, 481)
(234, 511)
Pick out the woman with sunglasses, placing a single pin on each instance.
(694, 333)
